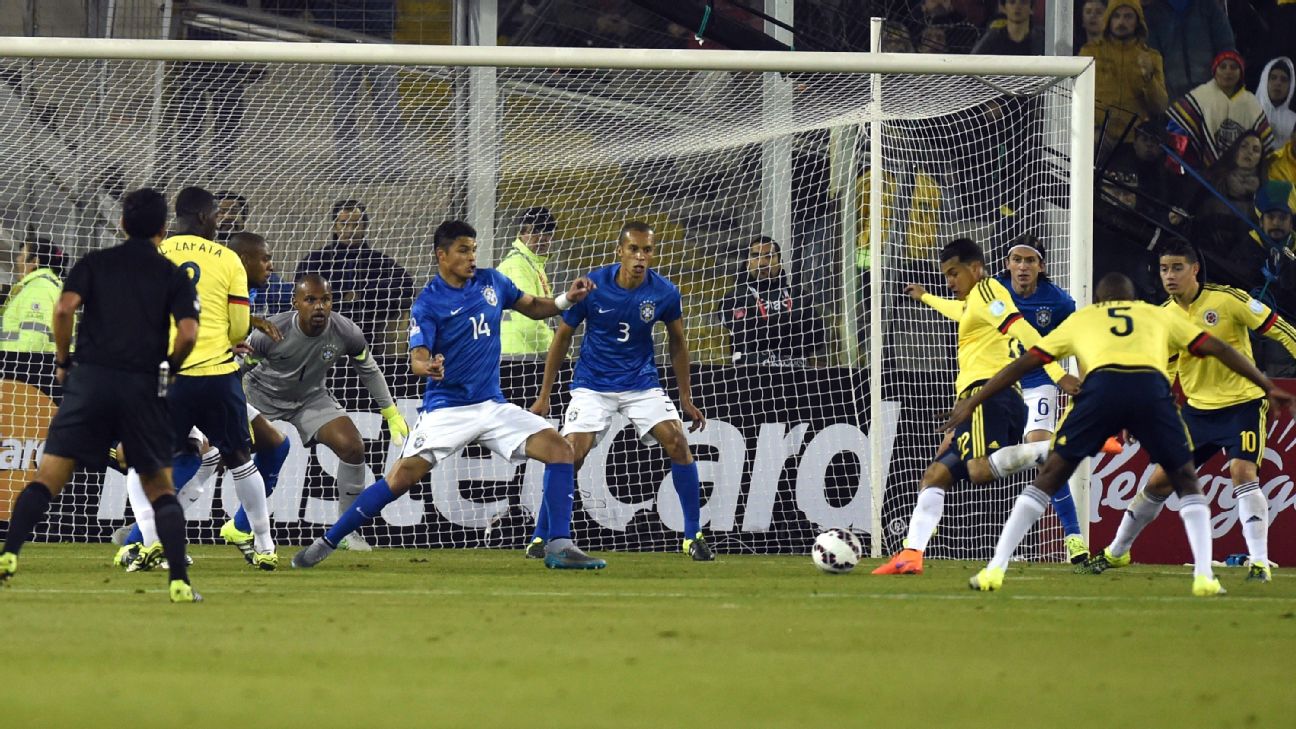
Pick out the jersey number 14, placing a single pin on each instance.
(479, 325)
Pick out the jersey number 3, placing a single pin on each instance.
(1126, 325)
(479, 325)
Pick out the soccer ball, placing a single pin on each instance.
(836, 551)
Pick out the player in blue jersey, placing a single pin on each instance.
(616, 374)
(454, 342)
(1045, 306)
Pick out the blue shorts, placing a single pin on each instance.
(216, 405)
(1111, 399)
(1239, 430)
(998, 423)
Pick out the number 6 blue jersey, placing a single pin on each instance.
(1044, 310)
(616, 354)
(462, 325)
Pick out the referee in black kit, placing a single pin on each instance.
(115, 390)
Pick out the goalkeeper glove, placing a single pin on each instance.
(395, 424)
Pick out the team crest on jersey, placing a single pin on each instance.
(328, 352)
(1044, 317)
(647, 310)
(488, 293)
(1211, 317)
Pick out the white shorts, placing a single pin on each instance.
(591, 412)
(1041, 407)
(502, 427)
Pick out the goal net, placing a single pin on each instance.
(821, 383)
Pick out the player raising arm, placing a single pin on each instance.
(986, 449)
(454, 342)
(1224, 411)
(1121, 345)
(616, 374)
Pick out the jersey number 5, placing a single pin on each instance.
(479, 325)
(1126, 325)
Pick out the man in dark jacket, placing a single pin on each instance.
(771, 323)
(369, 287)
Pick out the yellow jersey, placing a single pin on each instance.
(988, 324)
(1231, 315)
(221, 282)
(1131, 335)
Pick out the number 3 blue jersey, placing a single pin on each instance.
(1044, 310)
(462, 325)
(616, 354)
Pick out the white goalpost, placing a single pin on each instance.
(822, 397)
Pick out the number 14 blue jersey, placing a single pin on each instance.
(616, 354)
(462, 324)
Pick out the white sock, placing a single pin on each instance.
(1029, 508)
(931, 502)
(142, 507)
(250, 488)
(193, 490)
(1015, 459)
(1196, 520)
(1253, 512)
(352, 478)
(1142, 511)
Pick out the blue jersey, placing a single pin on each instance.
(462, 325)
(1045, 309)
(616, 354)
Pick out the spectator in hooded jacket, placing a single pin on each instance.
(1130, 80)
(1214, 115)
(1188, 34)
(1275, 94)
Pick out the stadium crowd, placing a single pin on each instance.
(1194, 111)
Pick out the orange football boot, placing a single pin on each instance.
(905, 562)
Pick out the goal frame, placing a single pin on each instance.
(480, 125)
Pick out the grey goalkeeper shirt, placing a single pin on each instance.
(292, 371)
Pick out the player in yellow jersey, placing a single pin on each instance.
(1224, 411)
(987, 448)
(1121, 344)
(207, 391)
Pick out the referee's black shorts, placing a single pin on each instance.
(1112, 399)
(102, 406)
(215, 404)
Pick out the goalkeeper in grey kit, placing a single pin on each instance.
(288, 382)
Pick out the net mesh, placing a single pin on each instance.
(710, 159)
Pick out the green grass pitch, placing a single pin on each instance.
(403, 638)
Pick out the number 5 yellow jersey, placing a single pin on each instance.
(1130, 335)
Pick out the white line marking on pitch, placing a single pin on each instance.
(677, 595)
